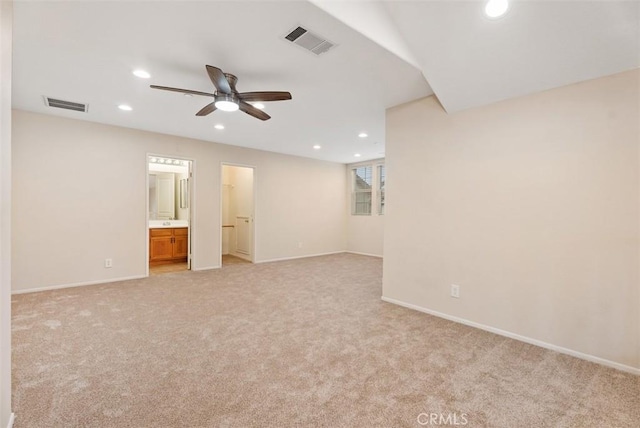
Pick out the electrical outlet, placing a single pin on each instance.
(108, 263)
(455, 291)
(300, 244)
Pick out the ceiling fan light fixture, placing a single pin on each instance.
(226, 102)
(226, 105)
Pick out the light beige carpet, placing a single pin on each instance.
(303, 343)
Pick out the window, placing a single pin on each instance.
(382, 178)
(362, 180)
(368, 183)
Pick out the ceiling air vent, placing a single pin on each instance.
(310, 41)
(67, 105)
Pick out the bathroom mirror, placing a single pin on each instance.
(162, 205)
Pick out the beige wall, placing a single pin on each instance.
(80, 197)
(531, 206)
(6, 13)
(365, 234)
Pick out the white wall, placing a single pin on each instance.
(6, 22)
(365, 233)
(79, 196)
(531, 206)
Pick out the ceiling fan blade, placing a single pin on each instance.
(207, 109)
(249, 109)
(264, 96)
(219, 79)
(183, 91)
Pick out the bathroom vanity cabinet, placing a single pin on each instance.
(168, 245)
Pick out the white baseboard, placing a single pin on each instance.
(11, 419)
(364, 254)
(298, 257)
(77, 284)
(560, 349)
(205, 268)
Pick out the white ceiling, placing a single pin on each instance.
(86, 51)
(471, 60)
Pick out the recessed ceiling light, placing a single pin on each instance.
(317, 147)
(258, 105)
(219, 126)
(357, 155)
(363, 135)
(496, 8)
(125, 107)
(141, 74)
(188, 95)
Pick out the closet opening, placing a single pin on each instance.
(237, 219)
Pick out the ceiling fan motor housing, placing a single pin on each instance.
(232, 79)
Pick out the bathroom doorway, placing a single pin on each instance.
(237, 217)
(169, 184)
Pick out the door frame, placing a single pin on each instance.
(253, 244)
(191, 199)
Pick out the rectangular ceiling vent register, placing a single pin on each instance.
(309, 41)
(67, 105)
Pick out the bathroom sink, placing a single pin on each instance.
(157, 224)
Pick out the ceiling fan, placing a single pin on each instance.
(227, 98)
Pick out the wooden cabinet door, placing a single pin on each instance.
(161, 244)
(180, 242)
(161, 248)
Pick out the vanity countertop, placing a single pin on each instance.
(164, 224)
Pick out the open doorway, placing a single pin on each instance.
(169, 214)
(237, 204)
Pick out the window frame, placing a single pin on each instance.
(377, 187)
(381, 181)
(355, 191)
